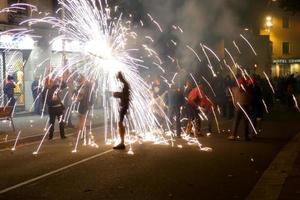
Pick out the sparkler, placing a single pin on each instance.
(15, 144)
(296, 103)
(46, 133)
(270, 84)
(103, 37)
(105, 53)
(245, 113)
(249, 44)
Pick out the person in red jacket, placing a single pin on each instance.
(194, 101)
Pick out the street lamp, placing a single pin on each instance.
(269, 23)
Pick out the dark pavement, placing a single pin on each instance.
(230, 171)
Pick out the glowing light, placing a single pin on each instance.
(247, 117)
(15, 144)
(296, 103)
(46, 133)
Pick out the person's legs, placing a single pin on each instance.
(121, 126)
(190, 116)
(35, 100)
(197, 123)
(51, 123)
(81, 121)
(178, 124)
(246, 122)
(60, 117)
(236, 122)
(122, 132)
(171, 113)
(209, 121)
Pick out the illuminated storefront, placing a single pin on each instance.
(285, 67)
(13, 55)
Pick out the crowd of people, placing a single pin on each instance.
(240, 99)
(244, 99)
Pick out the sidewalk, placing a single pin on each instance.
(291, 186)
(34, 125)
(282, 179)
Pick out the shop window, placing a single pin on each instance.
(285, 47)
(285, 22)
(14, 65)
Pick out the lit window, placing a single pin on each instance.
(285, 47)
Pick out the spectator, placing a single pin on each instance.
(241, 96)
(256, 102)
(9, 90)
(84, 98)
(36, 90)
(175, 103)
(55, 107)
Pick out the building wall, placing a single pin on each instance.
(3, 16)
(39, 58)
(283, 64)
(244, 56)
(278, 34)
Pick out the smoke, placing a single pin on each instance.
(203, 21)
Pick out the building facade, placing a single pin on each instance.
(283, 28)
(27, 57)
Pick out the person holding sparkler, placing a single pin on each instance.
(124, 97)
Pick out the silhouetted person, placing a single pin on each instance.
(36, 89)
(124, 97)
(85, 101)
(242, 95)
(175, 102)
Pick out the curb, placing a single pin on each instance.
(270, 184)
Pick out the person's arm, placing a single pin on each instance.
(117, 95)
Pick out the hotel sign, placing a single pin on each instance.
(287, 61)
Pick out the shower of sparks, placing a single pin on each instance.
(296, 103)
(155, 22)
(270, 84)
(247, 116)
(103, 38)
(237, 47)
(231, 57)
(216, 56)
(249, 44)
(265, 105)
(194, 52)
(40, 145)
(216, 119)
(209, 62)
(211, 88)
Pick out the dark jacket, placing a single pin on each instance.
(52, 98)
(9, 89)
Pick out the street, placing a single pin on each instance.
(229, 171)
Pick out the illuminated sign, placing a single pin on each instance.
(287, 61)
(24, 42)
